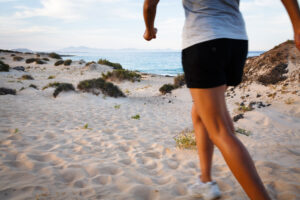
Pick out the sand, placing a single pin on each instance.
(83, 146)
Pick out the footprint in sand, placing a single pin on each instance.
(142, 192)
(173, 164)
(102, 179)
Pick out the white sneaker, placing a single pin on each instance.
(208, 190)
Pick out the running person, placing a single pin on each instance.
(215, 47)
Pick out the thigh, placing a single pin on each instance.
(211, 107)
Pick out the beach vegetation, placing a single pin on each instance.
(12, 55)
(22, 88)
(4, 67)
(39, 61)
(289, 101)
(186, 139)
(117, 106)
(2, 58)
(96, 85)
(30, 60)
(33, 86)
(16, 130)
(89, 63)
(18, 58)
(59, 62)
(179, 81)
(67, 62)
(274, 76)
(111, 64)
(86, 126)
(166, 88)
(121, 75)
(54, 55)
(244, 108)
(45, 59)
(51, 77)
(136, 116)
(5, 91)
(54, 84)
(242, 131)
(27, 77)
(63, 87)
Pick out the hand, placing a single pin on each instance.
(150, 34)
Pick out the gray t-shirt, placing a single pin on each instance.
(211, 19)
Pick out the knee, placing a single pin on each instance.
(220, 134)
(195, 116)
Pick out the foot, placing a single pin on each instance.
(208, 190)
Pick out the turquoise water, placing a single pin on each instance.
(161, 62)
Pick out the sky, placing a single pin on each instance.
(46, 25)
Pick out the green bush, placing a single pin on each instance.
(59, 62)
(30, 60)
(63, 87)
(54, 55)
(166, 88)
(51, 77)
(27, 77)
(111, 64)
(122, 74)
(94, 85)
(18, 58)
(4, 67)
(67, 62)
(179, 81)
(45, 59)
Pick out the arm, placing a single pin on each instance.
(149, 17)
(292, 8)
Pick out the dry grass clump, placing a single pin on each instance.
(54, 55)
(63, 87)
(275, 75)
(242, 131)
(54, 84)
(5, 91)
(111, 64)
(45, 59)
(89, 63)
(4, 67)
(179, 81)
(51, 77)
(186, 139)
(59, 62)
(27, 77)
(289, 101)
(121, 75)
(96, 85)
(18, 58)
(67, 62)
(39, 61)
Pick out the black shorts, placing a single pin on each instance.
(214, 63)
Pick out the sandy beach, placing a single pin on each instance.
(83, 146)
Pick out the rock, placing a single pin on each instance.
(19, 68)
(5, 91)
(238, 117)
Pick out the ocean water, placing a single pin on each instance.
(155, 62)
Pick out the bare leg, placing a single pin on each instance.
(205, 147)
(211, 107)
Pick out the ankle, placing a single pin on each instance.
(205, 179)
